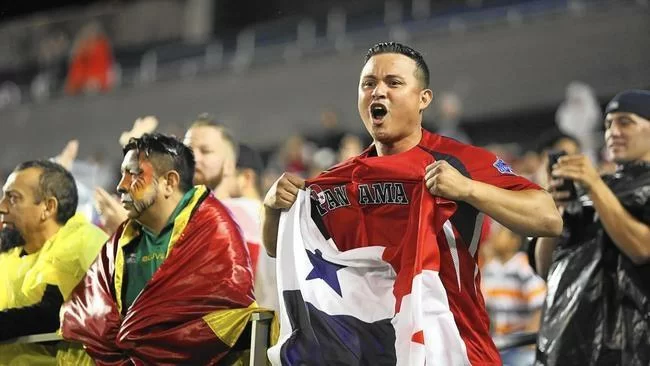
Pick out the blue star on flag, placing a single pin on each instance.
(324, 270)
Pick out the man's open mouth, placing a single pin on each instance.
(378, 111)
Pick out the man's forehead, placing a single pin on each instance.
(8, 183)
(203, 135)
(132, 158)
(617, 115)
(389, 63)
(21, 180)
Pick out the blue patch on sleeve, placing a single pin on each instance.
(503, 167)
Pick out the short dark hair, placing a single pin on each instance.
(55, 181)
(421, 71)
(206, 120)
(166, 153)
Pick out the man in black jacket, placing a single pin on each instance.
(598, 301)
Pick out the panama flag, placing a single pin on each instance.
(371, 305)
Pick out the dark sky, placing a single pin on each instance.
(239, 11)
(231, 13)
(10, 9)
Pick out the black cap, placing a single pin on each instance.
(249, 158)
(631, 101)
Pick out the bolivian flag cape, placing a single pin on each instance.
(191, 312)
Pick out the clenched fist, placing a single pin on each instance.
(445, 181)
(283, 192)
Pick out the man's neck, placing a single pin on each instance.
(156, 217)
(35, 240)
(400, 146)
(252, 194)
(221, 192)
(646, 157)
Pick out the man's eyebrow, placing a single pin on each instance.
(129, 166)
(389, 76)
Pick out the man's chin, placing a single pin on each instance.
(10, 237)
(621, 158)
(198, 179)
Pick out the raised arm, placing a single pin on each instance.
(281, 196)
(529, 212)
(630, 235)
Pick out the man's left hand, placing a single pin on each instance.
(445, 181)
(578, 168)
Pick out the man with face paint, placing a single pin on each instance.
(598, 300)
(215, 153)
(174, 283)
(45, 248)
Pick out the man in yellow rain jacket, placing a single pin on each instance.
(45, 250)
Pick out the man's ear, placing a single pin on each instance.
(251, 177)
(426, 97)
(51, 208)
(173, 182)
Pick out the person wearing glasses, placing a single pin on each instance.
(174, 283)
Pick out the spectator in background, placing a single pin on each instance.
(553, 140)
(579, 116)
(292, 156)
(234, 174)
(91, 62)
(321, 160)
(596, 310)
(351, 145)
(448, 121)
(51, 52)
(45, 250)
(245, 204)
(215, 152)
(514, 294)
(330, 135)
(87, 175)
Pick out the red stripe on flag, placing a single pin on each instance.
(418, 337)
(419, 248)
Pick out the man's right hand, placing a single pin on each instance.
(283, 192)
